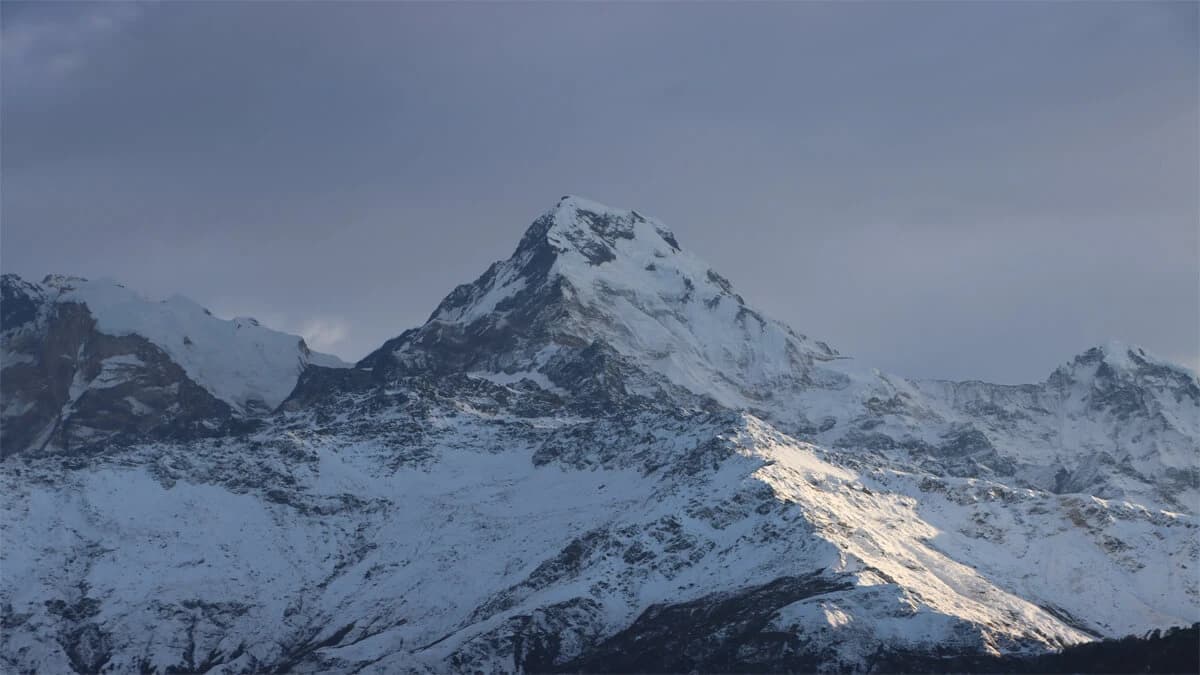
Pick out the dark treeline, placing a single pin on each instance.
(1175, 650)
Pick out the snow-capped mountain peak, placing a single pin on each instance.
(1128, 380)
(562, 244)
(593, 230)
(586, 273)
(1117, 358)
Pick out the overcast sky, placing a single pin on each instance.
(964, 190)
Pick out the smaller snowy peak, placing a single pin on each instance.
(1116, 361)
(1123, 394)
(1115, 353)
(238, 361)
(1124, 356)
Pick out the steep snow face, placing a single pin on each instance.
(238, 361)
(585, 272)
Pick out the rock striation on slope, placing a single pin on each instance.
(599, 457)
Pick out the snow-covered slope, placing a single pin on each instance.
(74, 348)
(238, 360)
(595, 457)
(479, 539)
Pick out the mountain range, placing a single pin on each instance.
(597, 456)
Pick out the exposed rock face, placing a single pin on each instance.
(595, 457)
(68, 387)
(78, 379)
(76, 390)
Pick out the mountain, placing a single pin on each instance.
(595, 457)
(586, 276)
(86, 363)
(1115, 422)
(594, 288)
